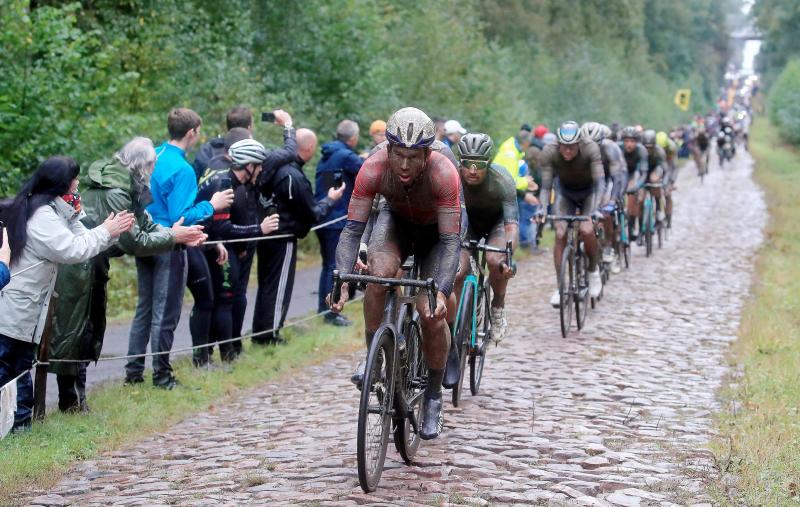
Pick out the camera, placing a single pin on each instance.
(268, 117)
(337, 179)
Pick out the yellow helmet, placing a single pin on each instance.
(662, 139)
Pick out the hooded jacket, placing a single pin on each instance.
(107, 187)
(337, 157)
(55, 236)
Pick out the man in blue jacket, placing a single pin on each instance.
(339, 164)
(162, 278)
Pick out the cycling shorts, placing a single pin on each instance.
(495, 233)
(568, 202)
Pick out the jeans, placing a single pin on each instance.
(161, 282)
(16, 356)
(527, 229)
(328, 240)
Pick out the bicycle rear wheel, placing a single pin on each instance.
(565, 291)
(406, 439)
(660, 231)
(463, 333)
(582, 288)
(477, 357)
(375, 409)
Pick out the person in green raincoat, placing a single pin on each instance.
(79, 318)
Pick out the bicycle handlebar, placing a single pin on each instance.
(429, 284)
(508, 251)
(653, 185)
(570, 218)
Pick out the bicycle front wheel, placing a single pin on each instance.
(463, 333)
(375, 409)
(478, 355)
(582, 288)
(565, 291)
(406, 439)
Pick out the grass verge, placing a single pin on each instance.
(123, 414)
(759, 448)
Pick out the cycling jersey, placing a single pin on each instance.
(432, 199)
(580, 180)
(613, 168)
(220, 225)
(656, 161)
(636, 163)
(493, 201)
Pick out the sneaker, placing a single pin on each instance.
(357, 378)
(452, 372)
(555, 299)
(335, 319)
(170, 384)
(595, 283)
(608, 255)
(615, 266)
(432, 419)
(499, 324)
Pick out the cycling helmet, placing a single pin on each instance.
(662, 139)
(607, 133)
(592, 131)
(649, 137)
(247, 151)
(410, 128)
(476, 146)
(568, 133)
(629, 133)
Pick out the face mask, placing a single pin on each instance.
(73, 200)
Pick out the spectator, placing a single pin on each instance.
(238, 117)
(246, 157)
(79, 321)
(339, 165)
(162, 277)
(439, 122)
(377, 131)
(539, 132)
(512, 156)
(288, 191)
(44, 231)
(452, 133)
(5, 258)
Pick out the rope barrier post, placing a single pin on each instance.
(40, 381)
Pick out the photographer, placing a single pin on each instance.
(288, 192)
(339, 165)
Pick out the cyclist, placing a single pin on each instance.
(245, 157)
(613, 169)
(657, 170)
(577, 166)
(421, 215)
(491, 201)
(670, 170)
(636, 162)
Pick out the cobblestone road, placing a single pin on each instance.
(616, 415)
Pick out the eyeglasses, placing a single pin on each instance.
(477, 165)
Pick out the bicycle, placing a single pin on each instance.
(394, 374)
(573, 277)
(650, 224)
(475, 313)
(622, 233)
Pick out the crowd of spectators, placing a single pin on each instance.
(189, 225)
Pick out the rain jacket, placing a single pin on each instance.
(511, 157)
(337, 157)
(55, 236)
(107, 186)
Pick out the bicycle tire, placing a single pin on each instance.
(649, 221)
(406, 440)
(463, 333)
(582, 288)
(660, 231)
(478, 357)
(371, 448)
(565, 291)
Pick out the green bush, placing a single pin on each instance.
(784, 102)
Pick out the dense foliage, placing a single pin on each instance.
(80, 78)
(784, 102)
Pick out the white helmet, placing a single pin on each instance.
(569, 133)
(410, 128)
(247, 151)
(593, 131)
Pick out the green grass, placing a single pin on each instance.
(760, 442)
(123, 414)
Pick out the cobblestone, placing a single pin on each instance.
(617, 414)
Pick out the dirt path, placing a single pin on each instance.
(616, 415)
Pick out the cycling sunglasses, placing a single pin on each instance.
(479, 165)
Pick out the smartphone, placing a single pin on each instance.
(2, 226)
(337, 179)
(272, 210)
(268, 117)
(225, 183)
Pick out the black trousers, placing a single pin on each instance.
(277, 260)
(199, 283)
(240, 291)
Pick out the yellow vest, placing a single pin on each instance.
(509, 157)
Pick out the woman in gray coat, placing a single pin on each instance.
(43, 232)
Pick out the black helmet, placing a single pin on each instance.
(476, 146)
(649, 137)
(629, 133)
